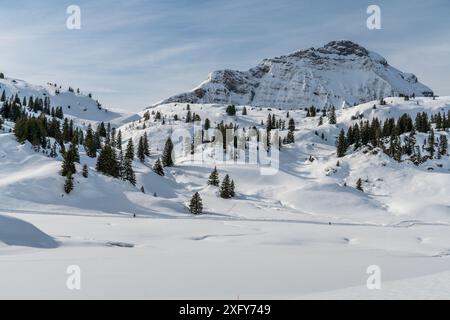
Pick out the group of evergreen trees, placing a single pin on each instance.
(290, 136)
(227, 188)
(388, 136)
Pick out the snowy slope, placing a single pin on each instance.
(274, 240)
(341, 72)
(77, 106)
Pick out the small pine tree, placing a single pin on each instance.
(341, 144)
(167, 160)
(214, 178)
(141, 150)
(332, 116)
(244, 111)
(232, 189)
(158, 168)
(291, 125)
(290, 138)
(107, 162)
(225, 188)
(443, 145)
(359, 185)
(196, 204)
(129, 153)
(85, 171)
(207, 124)
(68, 165)
(128, 172)
(68, 185)
(431, 141)
(146, 146)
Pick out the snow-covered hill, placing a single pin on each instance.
(82, 108)
(275, 239)
(341, 72)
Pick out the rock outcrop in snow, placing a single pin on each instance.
(341, 72)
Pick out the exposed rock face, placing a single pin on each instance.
(341, 72)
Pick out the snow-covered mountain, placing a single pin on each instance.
(340, 72)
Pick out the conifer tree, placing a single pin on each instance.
(107, 162)
(341, 144)
(146, 145)
(290, 138)
(359, 185)
(89, 143)
(196, 204)
(158, 168)
(291, 125)
(119, 140)
(214, 178)
(128, 172)
(85, 171)
(431, 140)
(167, 160)
(68, 185)
(443, 145)
(225, 188)
(68, 165)
(244, 111)
(332, 116)
(140, 151)
(129, 153)
(207, 124)
(232, 189)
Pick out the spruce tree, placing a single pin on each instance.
(443, 145)
(140, 151)
(431, 140)
(68, 165)
(207, 124)
(119, 140)
(167, 160)
(128, 172)
(244, 111)
(232, 189)
(290, 138)
(225, 188)
(85, 171)
(89, 143)
(291, 125)
(68, 185)
(129, 153)
(158, 168)
(359, 185)
(332, 116)
(107, 162)
(341, 144)
(146, 145)
(213, 179)
(196, 204)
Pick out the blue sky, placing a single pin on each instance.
(130, 54)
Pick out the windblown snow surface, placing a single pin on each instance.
(300, 233)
